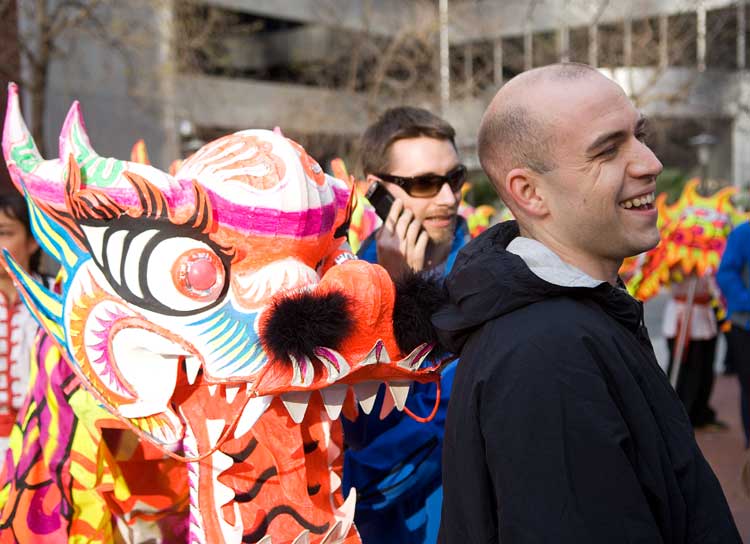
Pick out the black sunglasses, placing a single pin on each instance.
(428, 185)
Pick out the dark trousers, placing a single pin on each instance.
(738, 352)
(696, 379)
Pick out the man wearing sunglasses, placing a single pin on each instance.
(412, 153)
(395, 463)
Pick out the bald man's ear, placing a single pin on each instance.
(523, 186)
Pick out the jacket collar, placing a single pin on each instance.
(547, 265)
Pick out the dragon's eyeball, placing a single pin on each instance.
(198, 274)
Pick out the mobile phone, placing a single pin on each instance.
(381, 199)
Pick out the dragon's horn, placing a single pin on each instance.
(74, 140)
(19, 148)
(139, 153)
(723, 196)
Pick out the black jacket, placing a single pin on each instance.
(561, 427)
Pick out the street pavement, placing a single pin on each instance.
(725, 451)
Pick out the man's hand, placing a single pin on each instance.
(402, 242)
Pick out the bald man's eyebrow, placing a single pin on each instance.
(604, 139)
(641, 126)
(615, 136)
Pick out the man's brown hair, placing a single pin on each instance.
(397, 124)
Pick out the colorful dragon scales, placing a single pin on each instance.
(214, 314)
(694, 233)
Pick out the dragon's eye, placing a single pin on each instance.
(173, 275)
(185, 274)
(198, 274)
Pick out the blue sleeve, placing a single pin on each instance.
(368, 251)
(396, 458)
(729, 276)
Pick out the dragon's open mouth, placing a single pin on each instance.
(155, 360)
(235, 427)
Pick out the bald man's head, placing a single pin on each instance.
(515, 131)
(565, 148)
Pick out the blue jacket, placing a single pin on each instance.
(733, 274)
(395, 463)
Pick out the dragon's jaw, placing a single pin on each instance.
(227, 425)
(293, 489)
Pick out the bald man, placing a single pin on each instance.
(561, 427)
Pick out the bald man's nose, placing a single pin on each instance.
(644, 162)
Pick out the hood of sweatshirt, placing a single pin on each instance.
(499, 272)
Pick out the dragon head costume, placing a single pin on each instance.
(694, 232)
(215, 312)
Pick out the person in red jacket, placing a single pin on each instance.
(17, 327)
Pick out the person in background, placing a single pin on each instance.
(394, 463)
(695, 380)
(562, 426)
(733, 278)
(18, 327)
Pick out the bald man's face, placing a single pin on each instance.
(600, 193)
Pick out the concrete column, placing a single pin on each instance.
(593, 45)
(469, 68)
(563, 44)
(663, 41)
(165, 13)
(741, 150)
(498, 62)
(741, 134)
(528, 49)
(563, 32)
(445, 71)
(741, 29)
(700, 46)
(627, 38)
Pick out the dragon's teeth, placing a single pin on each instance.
(296, 404)
(383, 355)
(334, 536)
(157, 431)
(252, 411)
(231, 533)
(372, 358)
(303, 538)
(231, 393)
(266, 540)
(214, 427)
(302, 370)
(399, 391)
(366, 392)
(334, 362)
(388, 404)
(212, 389)
(415, 359)
(221, 461)
(335, 481)
(223, 494)
(333, 399)
(192, 366)
(345, 514)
